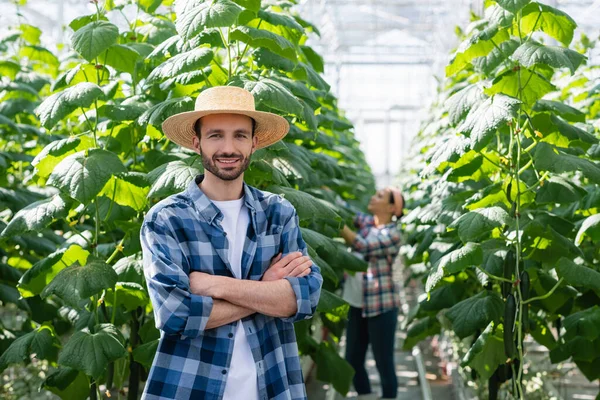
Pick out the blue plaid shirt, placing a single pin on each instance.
(182, 234)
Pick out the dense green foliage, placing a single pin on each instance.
(504, 222)
(82, 158)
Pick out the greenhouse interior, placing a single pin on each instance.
(379, 199)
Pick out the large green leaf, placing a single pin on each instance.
(94, 38)
(559, 190)
(185, 62)
(262, 38)
(331, 367)
(76, 283)
(565, 111)
(174, 176)
(453, 262)
(42, 272)
(47, 159)
(273, 95)
(120, 57)
(307, 206)
(92, 352)
(461, 102)
(145, 353)
(61, 104)
(549, 158)
(483, 121)
(578, 275)
(83, 175)
(194, 16)
(68, 384)
(524, 84)
(333, 304)
(129, 295)
(590, 228)
(513, 6)
(130, 269)
(42, 342)
(156, 114)
(478, 45)
(549, 20)
(476, 223)
(531, 53)
(475, 313)
(333, 252)
(38, 215)
(486, 353)
(421, 330)
(130, 189)
(584, 323)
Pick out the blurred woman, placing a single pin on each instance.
(372, 295)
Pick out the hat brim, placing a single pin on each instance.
(269, 129)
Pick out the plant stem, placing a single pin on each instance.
(545, 296)
(498, 278)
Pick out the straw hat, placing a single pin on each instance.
(269, 129)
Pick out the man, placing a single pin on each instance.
(226, 265)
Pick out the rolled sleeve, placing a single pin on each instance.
(308, 288)
(176, 310)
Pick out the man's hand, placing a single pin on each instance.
(203, 284)
(293, 264)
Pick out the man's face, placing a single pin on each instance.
(226, 144)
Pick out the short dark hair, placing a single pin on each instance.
(392, 201)
(198, 127)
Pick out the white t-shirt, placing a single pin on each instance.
(353, 287)
(242, 377)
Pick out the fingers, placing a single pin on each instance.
(283, 262)
(292, 265)
(276, 259)
(305, 273)
(302, 268)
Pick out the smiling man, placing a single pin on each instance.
(226, 266)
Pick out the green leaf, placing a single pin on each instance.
(124, 112)
(68, 384)
(9, 294)
(314, 58)
(76, 283)
(196, 15)
(156, 114)
(476, 223)
(38, 215)
(559, 190)
(475, 313)
(39, 54)
(41, 342)
(150, 6)
(549, 158)
(82, 21)
(590, 228)
(31, 33)
(262, 38)
(531, 53)
(92, 352)
(453, 262)
(130, 189)
(47, 159)
(572, 132)
(583, 323)
(331, 367)
(565, 111)
(578, 275)
(83, 175)
(185, 62)
(513, 6)
(483, 121)
(61, 104)
(307, 206)
(549, 20)
(527, 85)
(333, 252)
(120, 57)
(272, 94)
(42, 272)
(478, 45)
(145, 353)
(421, 330)
(486, 353)
(130, 269)
(333, 304)
(174, 176)
(129, 295)
(461, 102)
(94, 38)
(278, 19)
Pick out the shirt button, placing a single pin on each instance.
(224, 233)
(230, 335)
(224, 371)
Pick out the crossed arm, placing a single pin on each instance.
(234, 299)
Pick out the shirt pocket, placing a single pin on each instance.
(268, 247)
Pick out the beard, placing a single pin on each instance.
(227, 173)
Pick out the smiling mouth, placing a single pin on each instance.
(228, 161)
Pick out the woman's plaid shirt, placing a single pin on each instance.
(379, 246)
(182, 234)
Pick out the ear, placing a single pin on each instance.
(196, 144)
(254, 143)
